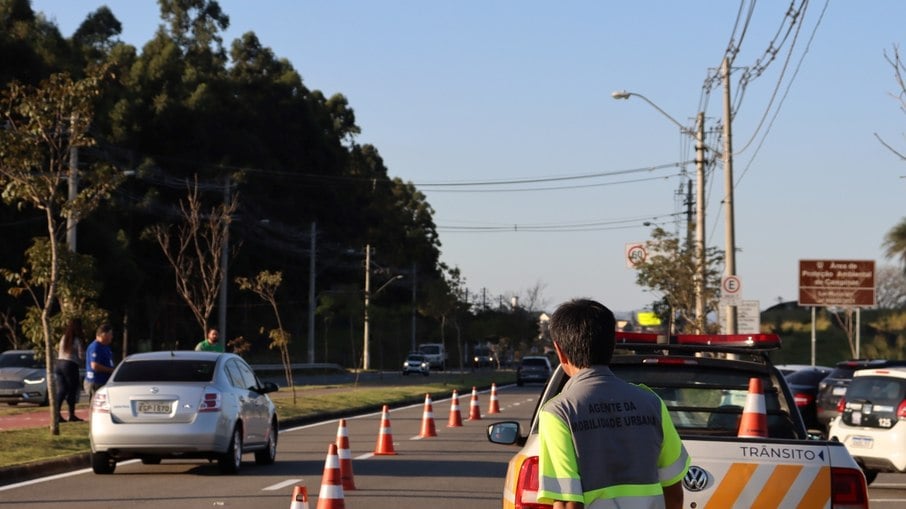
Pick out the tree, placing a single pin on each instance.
(891, 288)
(194, 252)
(265, 285)
(670, 272)
(41, 126)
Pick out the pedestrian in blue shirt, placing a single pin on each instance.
(99, 360)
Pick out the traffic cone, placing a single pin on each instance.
(455, 417)
(331, 494)
(494, 405)
(428, 429)
(754, 422)
(474, 410)
(345, 456)
(300, 498)
(385, 438)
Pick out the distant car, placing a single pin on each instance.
(833, 387)
(483, 357)
(533, 369)
(23, 378)
(872, 422)
(803, 384)
(416, 363)
(786, 369)
(183, 404)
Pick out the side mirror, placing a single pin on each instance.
(505, 433)
(267, 387)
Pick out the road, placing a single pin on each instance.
(456, 469)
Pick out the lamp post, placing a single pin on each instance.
(366, 357)
(699, 135)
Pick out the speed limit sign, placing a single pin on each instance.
(636, 254)
(730, 289)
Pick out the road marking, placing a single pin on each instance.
(365, 456)
(281, 485)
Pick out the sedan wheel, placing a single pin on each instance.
(230, 461)
(268, 455)
(102, 463)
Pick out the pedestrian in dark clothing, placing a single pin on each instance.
(66, 370)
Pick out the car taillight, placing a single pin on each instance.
(527, 486)
(211, 402)
(100, 404)
(803, 399)
(841, 405)
(901, 410)
(848, 489)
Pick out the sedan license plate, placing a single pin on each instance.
(154, 407)
(863, 442)
(838, 391)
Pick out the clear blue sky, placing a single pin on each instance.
(476, 91)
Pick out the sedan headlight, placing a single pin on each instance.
(35, 379)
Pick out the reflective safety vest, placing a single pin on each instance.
(608, 444)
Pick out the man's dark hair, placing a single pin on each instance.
(104, 328)
(585, 331)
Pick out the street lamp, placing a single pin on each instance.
(366, 357)
(699, 134)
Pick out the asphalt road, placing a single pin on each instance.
(458, 468)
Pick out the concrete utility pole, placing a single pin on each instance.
(366, 358)
(311, 294)
(730, 255)
(72, 221)
(414, 306)
(701, 277)
(224, 280)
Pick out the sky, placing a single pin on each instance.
(484, 93)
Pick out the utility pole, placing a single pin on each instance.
(366, 358)
(224, 264)
(730, 255)
(72, 221)
(311, 294)
(700, 277)
(414, 307)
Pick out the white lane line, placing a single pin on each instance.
(283, 484)
(365, 456)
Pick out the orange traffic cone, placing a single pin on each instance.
(331, 494)
(345, 456)
(300, 498)
(455, 417)
(474, 410)
(494, 405)
(385, 438)
(754, 422)
(428, 429)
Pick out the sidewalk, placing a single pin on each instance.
(37, 418)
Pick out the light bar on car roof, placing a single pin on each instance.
(755, 341)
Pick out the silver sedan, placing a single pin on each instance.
(183, 404)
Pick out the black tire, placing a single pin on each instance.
(425, 373)
(102, 463)
(230, 461)
(405, 373)
(12, 403)
(151, 460)
(268, 455)
(870, 475)
(520, 383)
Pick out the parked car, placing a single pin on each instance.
(533, 368)
(872, 421)
(803, 384)
(23, 378)
(833, 387)
(183, 404)
(416, 363)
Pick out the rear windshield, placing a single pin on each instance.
(534, 362)
(842, 372)
(877, 390)
(165, 371)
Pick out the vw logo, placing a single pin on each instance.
(155, 390)
(696, 479)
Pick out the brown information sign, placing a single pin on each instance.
(844, 283)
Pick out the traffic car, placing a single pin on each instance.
(833, 387)
(872, 421)
(803, 384)
(23, 378)
(533, 368)
(183, 404)
(416, 363)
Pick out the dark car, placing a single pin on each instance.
(804, 386)
(533, 369)
(833, 387)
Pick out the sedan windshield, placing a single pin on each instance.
(19, 360)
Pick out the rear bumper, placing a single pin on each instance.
(208, 433)
(887, 451)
